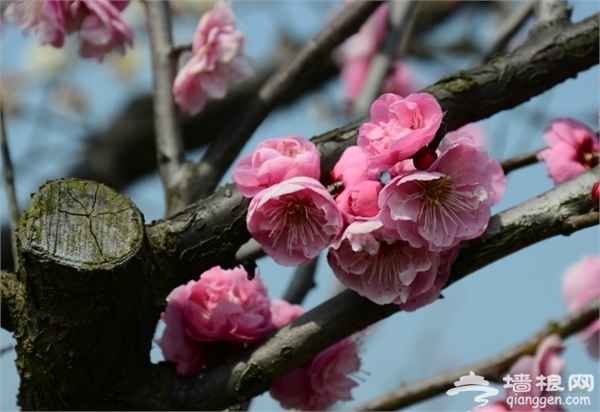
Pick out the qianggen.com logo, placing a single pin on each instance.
(521, 390)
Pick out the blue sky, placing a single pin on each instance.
(482, 315)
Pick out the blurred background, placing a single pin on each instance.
(69, 117)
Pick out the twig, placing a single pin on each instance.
(576, 223)
(6, 349)
(550, 12)
(302, 282)
(402, 16)
(232, 139)
(519, 161)
(515, 21)
(169, 143)
(11, 194)
(492, 368)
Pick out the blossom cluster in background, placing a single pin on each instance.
(217, 61)
(98, 23)
(392, 242)
(224, 311)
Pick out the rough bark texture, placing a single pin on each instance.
(93, 278)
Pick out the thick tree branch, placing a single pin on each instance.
(232, 139)
(491, 369)
(169, 142)
(211, 232)
(254, 370)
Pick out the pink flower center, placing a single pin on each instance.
(297, 219)
(587, 156)
(289, 148)
(435, 192)
(388, 262)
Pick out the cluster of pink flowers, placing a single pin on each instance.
(581, 285)
(217, 61)
(357, 53)
(392, 242)
(223, 312)
(546, 363)
(291, 215)
(573, 148)
(99, 23)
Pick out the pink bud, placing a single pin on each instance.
(424, 158)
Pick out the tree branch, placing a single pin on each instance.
(302, 282)
(11, 194)
(515, 21)
(169, 142)
(223, 151)
(552, 12)
(254, 370)
(211, 232)
(402, 14)
(520, 161)
(491, 369)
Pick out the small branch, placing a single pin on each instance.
(551, 12)
(178, 50)
(223, 151)
(491, 369)
(11, 194)
(169, 142)
(520, 161)
(402, 16)
(576, 223)
(302, 282)
(6, 349)
(515, 21)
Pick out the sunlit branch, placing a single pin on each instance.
(491, 369)
(9, 186)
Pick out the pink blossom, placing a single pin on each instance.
(572, 149)
(274, 161)
(217, 61)
(596, 195)
(581, 285)
(371, 260)
(474, 134)
(283, 312)
(359, 201)
(352, 168)
(177, 346)
(416, 301)
(321, 382)
(48, 18)
(100, 26)
(399, 127)
(222, 306)
(98, 23)
(444, 205)
(545, 362)
(294, 220)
